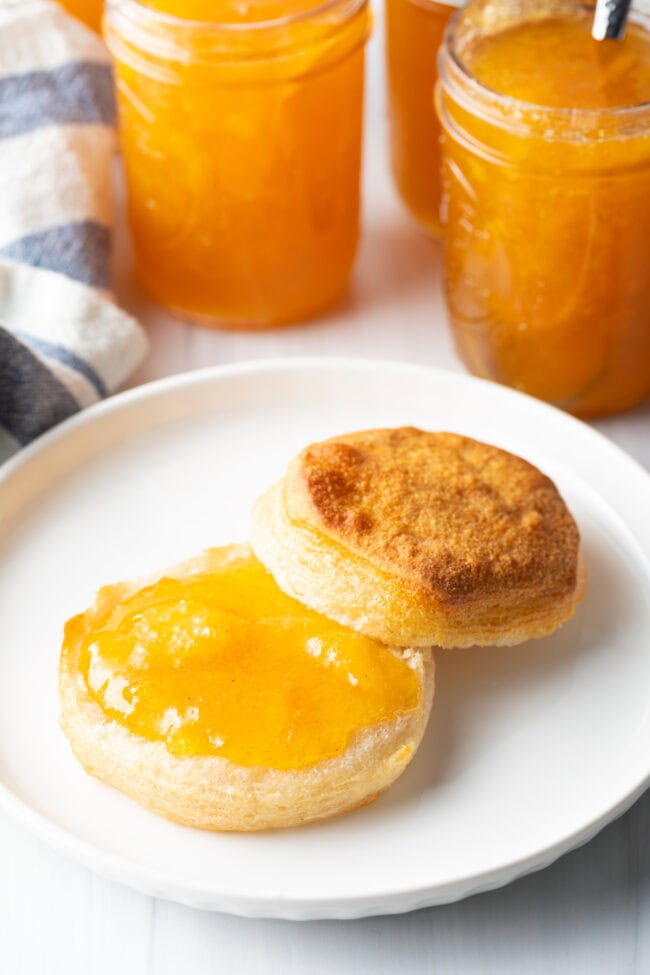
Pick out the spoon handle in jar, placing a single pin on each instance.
(610, 18)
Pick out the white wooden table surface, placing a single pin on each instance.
(589, 913)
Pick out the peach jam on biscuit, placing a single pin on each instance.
(219, 661)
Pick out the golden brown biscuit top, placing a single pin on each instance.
(439, 511)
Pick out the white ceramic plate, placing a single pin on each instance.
(530, 750)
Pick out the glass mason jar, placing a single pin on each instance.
(547, 212)
(414, 32)
(242, 144)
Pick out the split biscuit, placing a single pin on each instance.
(418, 539)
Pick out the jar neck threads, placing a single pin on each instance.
(161, 43)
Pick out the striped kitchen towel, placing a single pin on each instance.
(64, 343)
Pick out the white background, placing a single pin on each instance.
(590, 912)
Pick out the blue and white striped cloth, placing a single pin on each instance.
(64, 344)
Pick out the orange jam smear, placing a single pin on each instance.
(548, 210)
(242, 145)
(223, 663)
(414, 32)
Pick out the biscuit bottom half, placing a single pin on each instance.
(210, 696)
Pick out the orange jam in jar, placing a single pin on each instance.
(221, 662)
(241, 136)
(414, 32)
(88, 11)
(547, 201)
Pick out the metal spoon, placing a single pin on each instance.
(610, 18)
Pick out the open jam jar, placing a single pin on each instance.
(547, 201)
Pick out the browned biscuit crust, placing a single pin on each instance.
(419, 539)
(457, 518)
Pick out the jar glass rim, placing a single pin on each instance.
(350, 7)
(507, 103)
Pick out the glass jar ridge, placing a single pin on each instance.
(158, 42)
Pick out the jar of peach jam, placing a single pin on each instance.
(414, 32)
(547, 201)
(241, 135)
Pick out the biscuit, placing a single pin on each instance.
(418, 539)
(213, 792)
